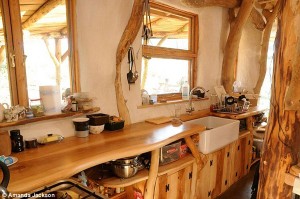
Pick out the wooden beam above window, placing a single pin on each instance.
(41, 12)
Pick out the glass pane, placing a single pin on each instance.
(162, 76)
(169, 30)
(45, 46)
(5, 96)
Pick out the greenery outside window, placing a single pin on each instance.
(170, 55)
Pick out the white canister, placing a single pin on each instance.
(51, 99)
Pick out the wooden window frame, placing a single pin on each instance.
(14, 45)
(171, 53)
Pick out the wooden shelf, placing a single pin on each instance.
(170, 102)
(119, 195)
(142, 175)
(244, 133)
(46, 117)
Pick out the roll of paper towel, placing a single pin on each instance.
(51, 99)
(296, 187)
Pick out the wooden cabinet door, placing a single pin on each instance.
(248, 153)
(203, 190)
(236, 154)
(228, 164)
(176, 185)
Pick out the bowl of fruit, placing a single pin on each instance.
(114, 123)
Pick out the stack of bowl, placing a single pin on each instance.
(97, 121)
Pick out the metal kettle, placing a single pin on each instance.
(6, 176)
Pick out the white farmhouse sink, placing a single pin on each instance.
(219, 133)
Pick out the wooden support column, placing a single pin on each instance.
(58, 58)
(56, 61)
(129, 34)
(64, 56)
(2, 54)
(282, 137)
(264, 48)
(18, 52)
(232, 44)
(201, 160)
(149, 192)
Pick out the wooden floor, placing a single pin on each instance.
(241, 189)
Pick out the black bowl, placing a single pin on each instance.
(98, 119)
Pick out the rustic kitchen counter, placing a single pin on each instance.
(53, 162)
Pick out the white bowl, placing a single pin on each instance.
(96, 129)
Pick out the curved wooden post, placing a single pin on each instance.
(282, 137)
(201, 160)
(232, 44)
(264, 48)
(129, 34)
(149, 192)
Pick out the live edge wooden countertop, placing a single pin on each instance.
(46, 164)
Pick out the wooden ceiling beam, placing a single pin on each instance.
(42, 11)
(162, 14)
(203, 3)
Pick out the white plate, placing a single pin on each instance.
(14, 160)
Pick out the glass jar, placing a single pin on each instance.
(37, 107)
(214, 102)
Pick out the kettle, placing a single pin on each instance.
(2, 110)
(6, 176)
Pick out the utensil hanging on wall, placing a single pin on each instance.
(147, 29)
(131, 76)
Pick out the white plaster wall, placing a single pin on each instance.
(248, 57)
(100, 24)
(97, 59)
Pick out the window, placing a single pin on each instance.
(170, 55)
(40, 49)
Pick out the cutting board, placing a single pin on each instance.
(159, 120)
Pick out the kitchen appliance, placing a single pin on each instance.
(5, 180)
(60, 189)
(64, 189)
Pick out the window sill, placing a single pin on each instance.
(170, 102)
(46, 117)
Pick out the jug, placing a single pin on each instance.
(2, 108)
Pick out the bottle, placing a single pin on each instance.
(185, 91)
(17, 144)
